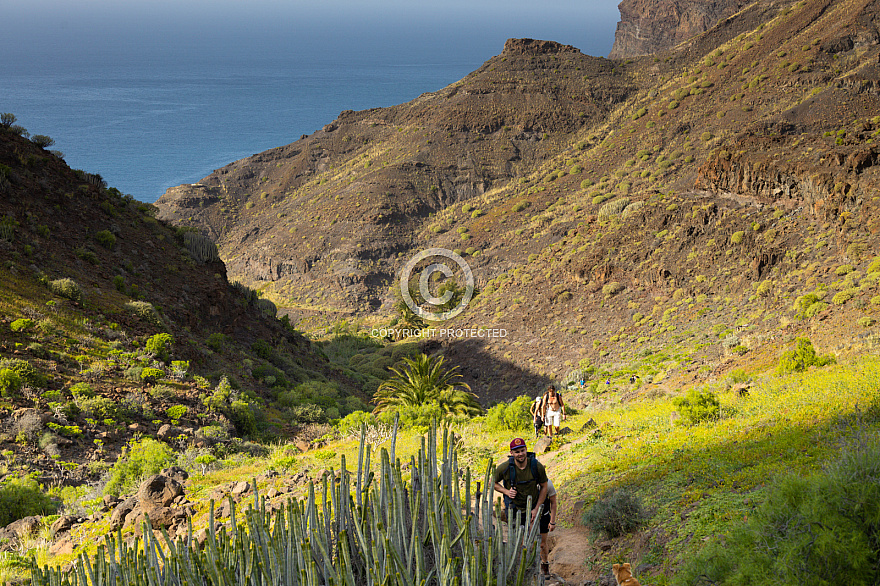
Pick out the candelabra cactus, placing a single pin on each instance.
(369, 528)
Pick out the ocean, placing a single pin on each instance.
(152, 114)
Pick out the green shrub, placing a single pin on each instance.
(26, 371)
(105, 238)
(615, 513)
(513, 416)
(216, 342)
(98, 407)
(82, 391)
(842, 297)
(21, 325)
(613, 288)
(245, 416)
(816, 530)
(145, 311)
(141, 458)
(218, 400)
(86, 255)
(844, 270)
(802, 357)
(42, 141)
(697, 406)
(160, 346)
(21, 498)
(176, 412)
(737, 237)
(152, 375)
(264, 350)
(67, 288)
(307, 413)
(808, 305)
(521, 206)
(10, 383)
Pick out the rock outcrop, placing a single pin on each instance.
(649, 26)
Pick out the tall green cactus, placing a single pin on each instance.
(200, 247)
(373, 529)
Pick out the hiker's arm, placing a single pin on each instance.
(541, 498)
(500, 488)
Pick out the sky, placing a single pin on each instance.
(52, 27)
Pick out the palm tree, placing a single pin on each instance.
(424, 380)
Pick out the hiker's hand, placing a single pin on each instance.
(534, 514)
(512, 492)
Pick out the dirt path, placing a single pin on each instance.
(571, 548)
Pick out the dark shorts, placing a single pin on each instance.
(523, 517)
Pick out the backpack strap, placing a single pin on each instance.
(511, 479)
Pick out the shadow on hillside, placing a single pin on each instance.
(490, 377)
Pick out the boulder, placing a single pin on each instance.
(224, 509)
(167, 432)
(64, 523)
(159, 518)
(591, 424)
(543, 445)
(121, 512)
(158, 491)
(177, 473)
(26, 526)
(241, 487)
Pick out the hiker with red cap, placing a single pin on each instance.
(519, 478)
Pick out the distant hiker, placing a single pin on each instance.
(551, 510)
(537, 414)
(519, 478)
(554, 411)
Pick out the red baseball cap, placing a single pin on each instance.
(517, 443)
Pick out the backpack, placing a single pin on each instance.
(511, 475)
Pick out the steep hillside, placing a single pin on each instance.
(712, 203)
(113, 325)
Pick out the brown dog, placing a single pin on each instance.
(623, 575)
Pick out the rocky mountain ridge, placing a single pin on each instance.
(611, 211)
(647, 27)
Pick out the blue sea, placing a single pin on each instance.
(151, 111)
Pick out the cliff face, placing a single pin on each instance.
(649, 26)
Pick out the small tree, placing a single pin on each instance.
(42, 141)
(7, 119)
(802, 357)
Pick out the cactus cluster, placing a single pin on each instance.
(360, 528)
(200, 247)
